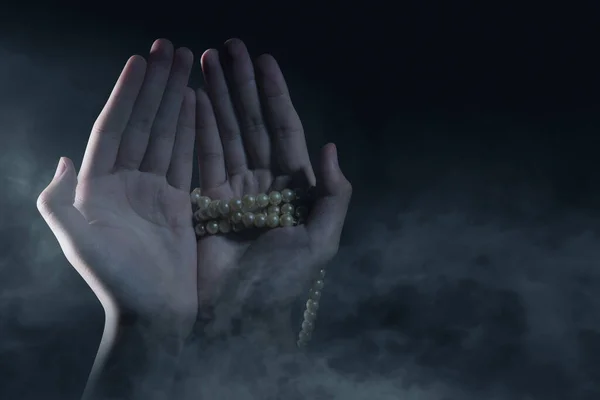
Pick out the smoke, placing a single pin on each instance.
(459, 279)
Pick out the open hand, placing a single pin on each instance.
(125, 222)
(250, 140)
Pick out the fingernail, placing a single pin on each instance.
(335, 155)
(60, 168)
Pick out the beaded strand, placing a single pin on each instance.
(310, 311)
(276, 209)
(263, 211)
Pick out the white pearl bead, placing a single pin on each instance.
(200, 230)
(310, 315)
(224, 226)
(224, 208)
(312, 305)
(286, 220)
(274, 198)
(203, 202)
(274, 210)
(301, 343)
(287, 208)
(260, 220)
(248, 219)
(308, 326)
(272, 220)
(262, 200)
(304, 336)
(213, 209)
(315, 294)
(201, 215)
(235, 205)
(212, 227)
(236, 217)
(319, 285)
(195, 195)
(322, 273)
(287, 195)
(248, 202)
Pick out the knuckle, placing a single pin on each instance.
(254, 124)
(184, 125)
(141, 125)
(345, 188)
(203, 124)
(230, 135)
(209, 156)
(285, 132)
(44, 203)
(186, 153)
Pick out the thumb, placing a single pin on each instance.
(55, 204)
(326, 219)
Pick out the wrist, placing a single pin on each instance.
(152, 336)
(134, 360)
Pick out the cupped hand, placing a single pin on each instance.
(125, 222)
(250, 140)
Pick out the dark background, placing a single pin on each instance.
(469, 266)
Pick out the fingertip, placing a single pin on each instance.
(136, 59)
(233, 41)
(235, 46)
(185, 54)
(208, 57)
(331, 149)
(60, 168)
(266, 62)
(136, 63)
(161, 44)
(68, 162)
(330, 156)
(69, 167)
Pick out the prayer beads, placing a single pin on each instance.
(265, 210)
(271, 210)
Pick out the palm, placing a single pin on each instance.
(220, 256)
(250, 140)
(141, 228)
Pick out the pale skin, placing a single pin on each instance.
(125, 221)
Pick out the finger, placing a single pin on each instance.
(283, 121)
(211, 161)
(180, 171)
(103, 144)
(245, 98)
(162, 135)
(137, 133)
(55, 204)
(229, 130)
(326, 219)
